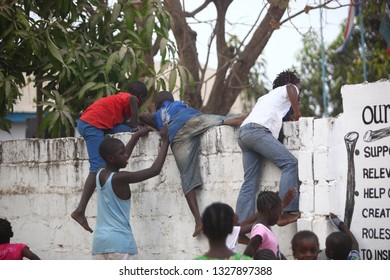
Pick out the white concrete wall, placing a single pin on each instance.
(41, 183)
(42, 180)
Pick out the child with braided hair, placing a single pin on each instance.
(258, 140)
(218, 219)
(12, 251)
(269, 209)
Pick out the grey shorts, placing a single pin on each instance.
(186, 148)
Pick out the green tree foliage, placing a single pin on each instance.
(346, 67)
(81, 50)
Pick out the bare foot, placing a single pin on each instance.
(81, 219)
(198, 230)
(289, 196)
(288, 218)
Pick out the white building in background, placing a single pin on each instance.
(24, 112)
(23, 117)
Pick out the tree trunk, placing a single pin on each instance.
(186, 43)
(233, 68)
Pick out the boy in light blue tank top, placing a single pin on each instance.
(113, 237)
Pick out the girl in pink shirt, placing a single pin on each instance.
(9, 251)
(269, 209)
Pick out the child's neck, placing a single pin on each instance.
(219, 250)
(262, 219)
(111, 168)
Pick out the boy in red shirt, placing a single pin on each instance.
(107, 115)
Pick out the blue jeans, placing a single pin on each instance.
(257, 144)
(93, 137)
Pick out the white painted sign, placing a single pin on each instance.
(367, 143)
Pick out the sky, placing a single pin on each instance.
(281, 50)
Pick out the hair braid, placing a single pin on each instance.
(217, 220)
(266, 200)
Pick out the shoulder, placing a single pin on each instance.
(354, 255)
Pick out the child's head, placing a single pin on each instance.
(269, 204)
(284, 78)
(264, 254)
(338, 245)
(139, 90)
(113, 152)
(217, 221)
(5, 231)
(305, 245)
(163, 96)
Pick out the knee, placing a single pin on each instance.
(291, 163)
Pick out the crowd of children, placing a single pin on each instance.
(181, 127)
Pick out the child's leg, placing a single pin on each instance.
(286, 217)
(193, 204)
(93, 137)
(235, 120)
(79, 214)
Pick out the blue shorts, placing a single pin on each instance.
(186, 148)
(93, 137)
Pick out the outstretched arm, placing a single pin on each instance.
(134, 111)
(252, 246)
(293, 96)
(27, 253)
(134, 139)
(147, 118)
(124, 178)
(342, 227)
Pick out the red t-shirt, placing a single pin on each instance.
(109, 111)
(11, 251)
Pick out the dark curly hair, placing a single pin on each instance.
(284, 78)
(5, 231)
(217, 221)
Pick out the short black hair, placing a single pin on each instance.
(267, 200)
(163, 96)
(138, 89)
(303, 234)
(5, 231)
(217, 221)
(109, 146)
(284, 78)
(340, 244)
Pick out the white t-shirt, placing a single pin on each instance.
(270, 110)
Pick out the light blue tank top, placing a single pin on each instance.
(113, 232)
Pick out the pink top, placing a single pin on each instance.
(11, 251)
(269, 240)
